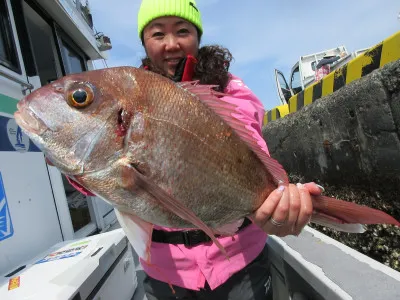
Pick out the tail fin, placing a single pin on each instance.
(337, 224)
(347, 216)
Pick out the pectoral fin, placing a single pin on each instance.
(139, 181)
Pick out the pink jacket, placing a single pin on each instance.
(191, 267)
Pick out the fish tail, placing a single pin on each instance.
(347, 216)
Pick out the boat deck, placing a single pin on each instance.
(314, 266)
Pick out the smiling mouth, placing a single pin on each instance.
(173, 61)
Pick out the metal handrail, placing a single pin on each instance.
(28, 85)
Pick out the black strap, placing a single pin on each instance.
(180, 68)
(188, 238)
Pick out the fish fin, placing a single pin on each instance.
(337, 224)
(170, 203)
(350, 213)
(138, 232)
(79, 187)
(230, 113)
(229, 229)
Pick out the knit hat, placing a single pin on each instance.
(152, 9)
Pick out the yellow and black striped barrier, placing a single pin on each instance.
(276, 113)
(376, 57)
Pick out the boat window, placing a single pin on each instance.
(8, 51)
(313, 65)
(43, 46)
(73, 61)
(283, 86)
(295, 82)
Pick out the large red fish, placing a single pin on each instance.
(162, 153)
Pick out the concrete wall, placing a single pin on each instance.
(349, 137)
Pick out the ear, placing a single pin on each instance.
(198, 37)
(142, 38)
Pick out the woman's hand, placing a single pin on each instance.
(287, 209)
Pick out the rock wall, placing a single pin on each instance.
(349, 137)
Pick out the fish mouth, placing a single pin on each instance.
(29, 121)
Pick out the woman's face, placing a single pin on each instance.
(167, 40)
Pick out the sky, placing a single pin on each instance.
(262, 35)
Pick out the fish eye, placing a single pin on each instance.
(80, 97)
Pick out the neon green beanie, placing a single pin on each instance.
(152, 9)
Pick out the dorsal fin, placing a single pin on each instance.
(230, 114)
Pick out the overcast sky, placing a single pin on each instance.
(262, 35)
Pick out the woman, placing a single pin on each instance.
(185, 265)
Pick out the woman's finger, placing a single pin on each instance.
(314, 188)
(306, 208)
(265, 211)
(276, 230)
(280, 215)
(294, 208)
